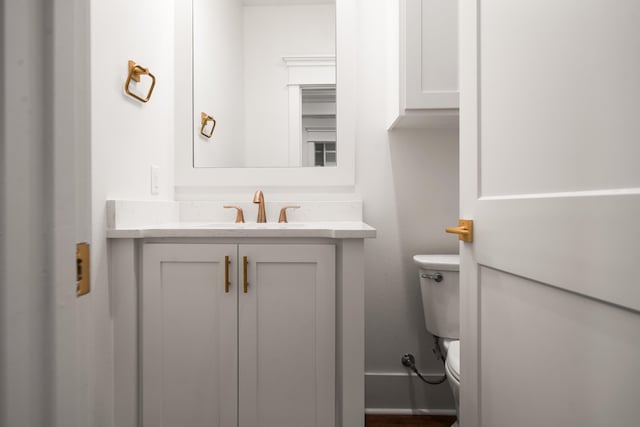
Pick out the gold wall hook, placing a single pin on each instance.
(464, 230)
(135, 71)
(204, 119)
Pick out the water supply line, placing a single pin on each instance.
(409, 361)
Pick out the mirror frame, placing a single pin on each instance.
(189, 179)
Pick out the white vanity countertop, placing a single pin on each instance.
(334, 230)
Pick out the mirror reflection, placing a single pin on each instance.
(264, 75)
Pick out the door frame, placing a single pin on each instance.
(469, 412)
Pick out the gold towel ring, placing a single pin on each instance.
(204, 119)
(135, 71)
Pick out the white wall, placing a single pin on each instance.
(409, 183)
(127, 138)
(218, 64)
(272, 32)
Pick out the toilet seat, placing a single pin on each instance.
(452, 363)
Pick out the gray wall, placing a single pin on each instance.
(409, 182)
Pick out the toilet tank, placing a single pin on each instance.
(440, 298)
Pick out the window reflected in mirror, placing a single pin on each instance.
(318, 125)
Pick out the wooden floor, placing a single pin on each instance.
(409, 420)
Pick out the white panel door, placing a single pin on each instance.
(287, 336)
(189, 336)
(550, 299)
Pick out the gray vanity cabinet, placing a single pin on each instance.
(217, 352)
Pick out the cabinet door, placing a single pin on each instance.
(431, 54)
(189, 336)
(287, 336)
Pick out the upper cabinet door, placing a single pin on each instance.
(287, 336)
(189, 335)
(423, 51)
(431, 44)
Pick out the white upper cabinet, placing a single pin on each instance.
(423, 58)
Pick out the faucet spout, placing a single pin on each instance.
(259, 198)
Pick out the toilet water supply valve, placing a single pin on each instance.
(409, 361)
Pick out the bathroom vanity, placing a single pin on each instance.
(224, 324)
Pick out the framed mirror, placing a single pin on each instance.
(264, 77)
(281, 96)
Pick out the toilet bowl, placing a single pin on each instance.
(452, 368)
(440, 290)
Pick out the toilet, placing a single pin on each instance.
(440, 289)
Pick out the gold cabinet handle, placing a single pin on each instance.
(226, 274)
(245, 284)
(464, 230)
(204, 119)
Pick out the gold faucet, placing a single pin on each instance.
(239, 214)
(259, 198)
(283, 213)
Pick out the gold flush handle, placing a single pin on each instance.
(83, 269)
(464, 230)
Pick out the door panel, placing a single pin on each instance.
(553, 354)
(287, 336)
(579, 242)
(189, 341)
(559, 96)
(550, 303)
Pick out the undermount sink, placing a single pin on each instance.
(219, 225)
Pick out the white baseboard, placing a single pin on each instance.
(396, 411)
(402, 394)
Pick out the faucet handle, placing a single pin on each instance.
(283, 212)
(239, 213)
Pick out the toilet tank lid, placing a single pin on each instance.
(438, 262)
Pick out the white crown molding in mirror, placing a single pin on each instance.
(301, 71)
(188, 178)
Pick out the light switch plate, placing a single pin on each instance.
(155, 180)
